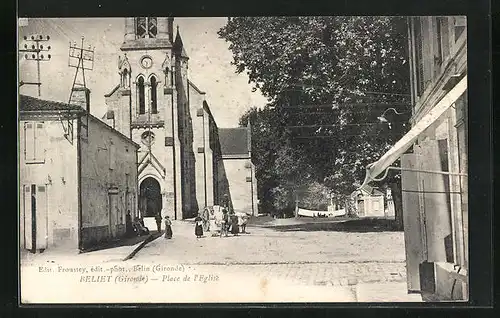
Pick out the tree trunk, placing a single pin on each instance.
(398, 203)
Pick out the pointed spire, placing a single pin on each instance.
(178, 45)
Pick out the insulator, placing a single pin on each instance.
(41, 37)
(33, 47)
(25, 56)
(48, 47)
(48, 56)
(48, 37)
(33, 56)
(32, 37)
(26, 46)
(25, 37)
(41, 47)
(41, 56)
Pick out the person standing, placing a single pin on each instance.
(198, 228)
(235, 229)
(224, 223)
(244, 221)
(206, 219)
(168, 228)
(158, 222)
(128, 224)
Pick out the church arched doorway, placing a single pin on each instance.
(150, 197)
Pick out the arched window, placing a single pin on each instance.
(145, 27)
(154, 103)
(140, 92)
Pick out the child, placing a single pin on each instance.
(198, 229)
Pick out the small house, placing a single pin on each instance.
(369, 202)
(76, 184)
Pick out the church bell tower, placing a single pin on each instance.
(147, 87)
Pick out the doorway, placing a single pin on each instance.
(113, 215)
(35, 218)
(150, 202)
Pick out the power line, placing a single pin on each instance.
(337, 137)
(303, 85)
(335, 125)
(337, 106)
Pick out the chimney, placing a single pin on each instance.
(81, 97)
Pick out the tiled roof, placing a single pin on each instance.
(233, 141)
(28, 103)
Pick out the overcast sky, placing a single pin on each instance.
(228, 93)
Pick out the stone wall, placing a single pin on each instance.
(108, 183)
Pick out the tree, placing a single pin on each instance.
(328, 79)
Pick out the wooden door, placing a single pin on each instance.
(436, 209)
(361, 207)
(112, 215)
(412, 221)
(28, 217)
(41, 218)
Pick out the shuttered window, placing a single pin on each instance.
(34, 142)
(445, 34)
(460, 25)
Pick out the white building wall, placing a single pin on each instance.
(56, 169)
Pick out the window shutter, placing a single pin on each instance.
(40, 142)
(29, 141)
(445, 34)
(460, 25)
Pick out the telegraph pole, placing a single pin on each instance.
(34, 52)
(85, 61)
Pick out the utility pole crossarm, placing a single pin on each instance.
(77, 55)
(34, 52)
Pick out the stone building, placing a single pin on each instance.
(434, 160)
(72, 194)
(155, 104)
(237, 167)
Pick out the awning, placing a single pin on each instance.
(376, 168)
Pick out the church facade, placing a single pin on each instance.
(180, 166)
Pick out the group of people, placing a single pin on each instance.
(206, 221)
(135, 227)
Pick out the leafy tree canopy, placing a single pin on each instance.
(328, 80)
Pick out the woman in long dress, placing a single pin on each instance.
(198, 229)
(212, 222)
(168, 228)
(206, 220)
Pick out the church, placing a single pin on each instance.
(185, 162)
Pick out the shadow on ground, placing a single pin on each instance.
(350, 225)
(130, 241)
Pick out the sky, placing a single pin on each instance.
(228, 94)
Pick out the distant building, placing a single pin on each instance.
(181, 164)
(368, 202)
(434, 160)
(75, 194)
(237, 167)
